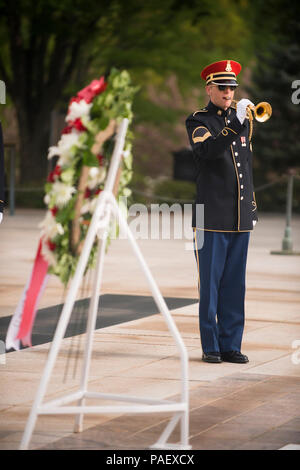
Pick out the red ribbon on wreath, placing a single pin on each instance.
(21, 325)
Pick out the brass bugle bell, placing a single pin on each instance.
(262, 111)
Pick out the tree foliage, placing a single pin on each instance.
(41, 44)
(276, 142)
(50, 49)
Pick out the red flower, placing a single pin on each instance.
(87, 95)
(51, 245)
(50, 178)
(87, 193)
(100, 159)
(57, 170)
(98, 86)
(54, 211)
(67, 129)
(74, 98)
(77, 124)
(93, 89)
(54, 173)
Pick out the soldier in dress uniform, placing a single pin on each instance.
(220, 136)
(1, 174)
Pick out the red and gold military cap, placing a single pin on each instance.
(223, 72)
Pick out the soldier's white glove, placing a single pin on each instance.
(1, 217)
(241, 109)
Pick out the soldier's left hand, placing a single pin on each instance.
(241, 109)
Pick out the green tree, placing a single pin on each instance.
(276, 142)
(41, 42)
(279, 137)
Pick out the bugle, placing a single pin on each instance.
(262, 111)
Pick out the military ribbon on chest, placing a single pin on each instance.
(243, 141)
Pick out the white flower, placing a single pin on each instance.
(96, 177)
(48, 255)
(62, 193)
(90, 205)
(50, 228)
(78, 110)
(64, 146)
(53, 151)
(85, 208)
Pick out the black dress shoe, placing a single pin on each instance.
(213, 357)
(234, 356)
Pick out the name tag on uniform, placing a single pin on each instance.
(243, 140)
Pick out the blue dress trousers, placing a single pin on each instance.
(222, 269)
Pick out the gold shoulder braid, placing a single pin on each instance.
(203, 110)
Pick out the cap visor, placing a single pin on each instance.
(224, 82)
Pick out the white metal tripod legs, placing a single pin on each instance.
(92, 318)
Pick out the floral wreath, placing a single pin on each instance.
(83, 155)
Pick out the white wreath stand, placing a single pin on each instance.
(99, 226)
